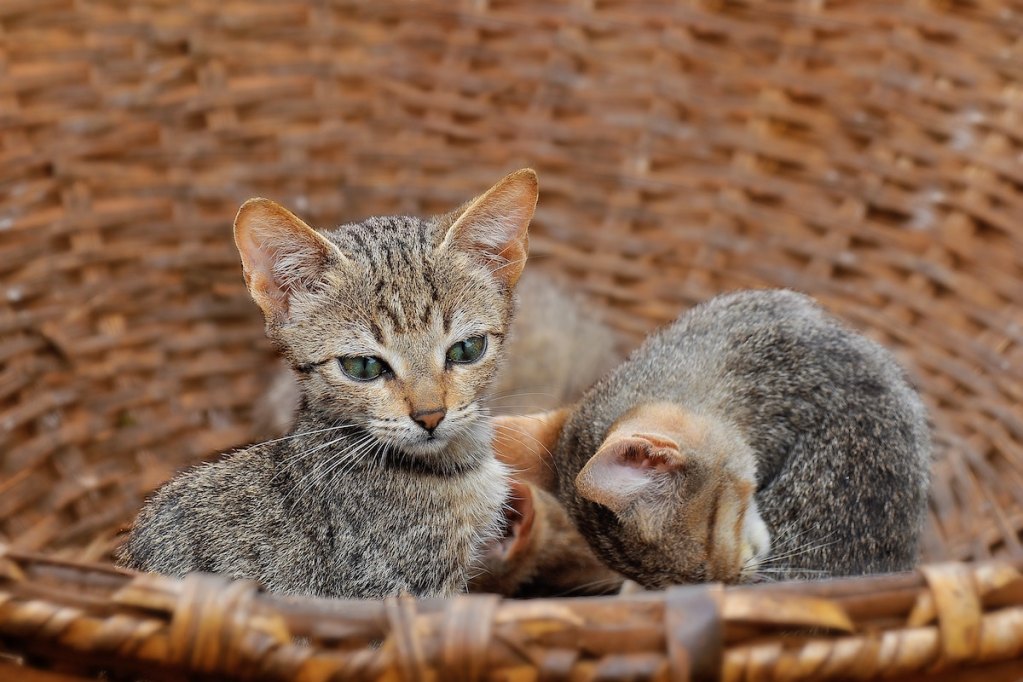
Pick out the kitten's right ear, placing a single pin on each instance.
(281, 255)
(626, 467)
(526, 443)
(493, 227)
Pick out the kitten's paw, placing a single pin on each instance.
(630, 587)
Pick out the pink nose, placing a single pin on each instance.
(429, 419)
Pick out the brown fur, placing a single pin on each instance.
(521, 442)
(558, 346)
(664, 438)
(541, 552)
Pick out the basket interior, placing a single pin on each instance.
(867, 154)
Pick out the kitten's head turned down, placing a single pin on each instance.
(681, 486)
(394, 324)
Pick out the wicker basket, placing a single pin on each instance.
(866, 153)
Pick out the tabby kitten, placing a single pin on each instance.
(756, 437)
(388, 483)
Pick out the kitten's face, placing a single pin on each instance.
(681, 486)
(395, 324)
(403, 346)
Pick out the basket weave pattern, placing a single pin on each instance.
(866, 153)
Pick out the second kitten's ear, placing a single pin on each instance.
(281, 255)
(519, 515)
(494, 227)
(525, 443)
(625, 468)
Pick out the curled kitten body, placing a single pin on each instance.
(754, 438)
(387, 482)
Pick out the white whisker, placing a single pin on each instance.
(549, 462)
(503, 396)
(310, 479)
(303, 434)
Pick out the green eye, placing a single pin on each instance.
(467, 351)
(363, 368)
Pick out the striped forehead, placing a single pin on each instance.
(406, 306)
(397, 256)
(386, 241)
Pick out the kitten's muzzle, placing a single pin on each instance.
(429, 419)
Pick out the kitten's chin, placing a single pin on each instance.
(426, 447)
(465, 447)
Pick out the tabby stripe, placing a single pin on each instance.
(354, 234)
(434, 292)
(378, 334)
(389, 257)
(395, 322)
(308, 367)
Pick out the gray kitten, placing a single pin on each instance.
(388, 483)
(756, 437)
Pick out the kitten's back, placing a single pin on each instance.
(841, 440)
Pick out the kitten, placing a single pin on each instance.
(755, 437)
(388, 483)
(558, 346)
(540, 553)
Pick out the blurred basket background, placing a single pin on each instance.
(866, 153)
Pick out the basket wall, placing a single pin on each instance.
(866, 153)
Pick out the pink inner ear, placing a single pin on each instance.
(279, 253)
(623, 468)
(494, 227)
(640, 458)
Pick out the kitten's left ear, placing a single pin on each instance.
(626, 467)
(494, 227)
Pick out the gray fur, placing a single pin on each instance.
(368, 531)
(840, 439)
